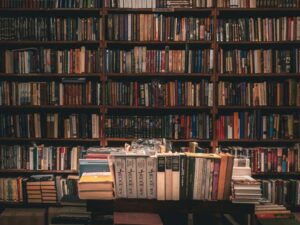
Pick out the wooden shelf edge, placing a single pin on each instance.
(158, 42)
(87, 140)
(160, 107)
(23, 171)
(57, 107)
(258, 107)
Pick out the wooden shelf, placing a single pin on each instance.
(53, 107)
(164, 43)
(28, 205)
(49, 75)
(275, 174)
(257, 43)
(232, 10)
(255, 12)
(51, 10)
(260, 75)
(258, 142)
(23, 171)
(54, 43)
(158, 10)
(154, 206)
(159, 108)
(166, 74)
(52, 140)
(265, 108)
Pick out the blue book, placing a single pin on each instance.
(93, 165)
(194, 131)
(200, 61)
(125, 35)
(271, 127)
(242, 125)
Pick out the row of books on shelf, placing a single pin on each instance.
(151, 94)
(258, 29)
(259, 126)
(45, 60)
(241, 61)
(50, 28)
(67, 92)
(40, 157)
(82, 125)
(269, 159)
(143, 59)
(267, 93)
(164, 126)
(86, 92)
(49, 125)
(149, 4)
(158, 27)
(280, 191)
(158, 3)
(160, 93)
(36, 4)
(149, 27)
(173, 176)
(37, 188)
(258, 4)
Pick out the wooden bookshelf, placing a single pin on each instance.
(167, 75)
(104, 110)
(51, 140)
(49, 75)
(276, 175)
(160, 43)
(51, 107)
(49, 43)
(159, 10)
(188, 206)
(31, 172)
(273, 44)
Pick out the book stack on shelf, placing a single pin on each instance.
(96, 185)
(172, 176)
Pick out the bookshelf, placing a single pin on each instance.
(212, 75)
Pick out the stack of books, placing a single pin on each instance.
(41, 189)
(96, 185)
(246, 189)
(270, 210)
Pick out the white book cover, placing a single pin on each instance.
(120, 177)
(151, 177)
(141, 173)
(175, 177)
(161, 167)
(121, 3)
(168, 177)
(31, 150)
(131, 177)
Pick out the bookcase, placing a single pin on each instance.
(126, 78)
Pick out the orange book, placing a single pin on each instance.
(222, 175)
(235, 125)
